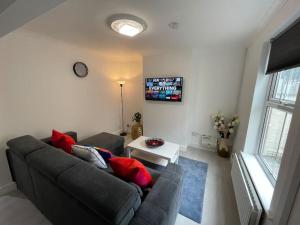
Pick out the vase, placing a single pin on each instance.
(224, 147)
(136, 130)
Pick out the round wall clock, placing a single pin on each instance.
(80, 69)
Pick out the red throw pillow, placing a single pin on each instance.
(63, 141)
(131, 170)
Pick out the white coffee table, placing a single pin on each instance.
(167, 153)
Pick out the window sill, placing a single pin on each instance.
(262, 184)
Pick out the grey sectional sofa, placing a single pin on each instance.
(69, 191)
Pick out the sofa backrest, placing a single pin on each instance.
(68, 190)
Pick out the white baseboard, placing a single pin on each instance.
(202, 148)
(117, 132)
(8, 188)
(183, 148)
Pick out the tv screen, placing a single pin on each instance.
(164, 89)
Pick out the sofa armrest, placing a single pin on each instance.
(161, 205)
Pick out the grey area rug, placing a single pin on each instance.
(193, 188)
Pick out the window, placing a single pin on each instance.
(278, 114)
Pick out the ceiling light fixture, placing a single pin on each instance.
(126, 24)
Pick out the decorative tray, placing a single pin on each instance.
(154, 142)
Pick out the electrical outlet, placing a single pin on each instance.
(194, 134)
(208, 141)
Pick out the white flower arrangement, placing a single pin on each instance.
(224, 128)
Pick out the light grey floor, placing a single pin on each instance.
(219, 204)
(15, 209)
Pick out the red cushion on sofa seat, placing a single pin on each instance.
(131, 170)
(63, 141)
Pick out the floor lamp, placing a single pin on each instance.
(123, 132)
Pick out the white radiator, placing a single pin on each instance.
(248, 203)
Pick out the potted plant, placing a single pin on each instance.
(137, 128)
(225, 128)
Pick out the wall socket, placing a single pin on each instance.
(195, 134)
(204, 141)
(208, 141)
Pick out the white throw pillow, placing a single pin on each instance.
(89, 154)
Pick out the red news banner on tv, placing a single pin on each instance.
(164, 89)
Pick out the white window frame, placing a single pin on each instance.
(270, 102)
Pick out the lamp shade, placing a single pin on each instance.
(121, 82)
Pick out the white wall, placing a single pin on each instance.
(253, 92)
(212, 80)
(39, 92)
(215, 85)
(253, 89)
(168, 120)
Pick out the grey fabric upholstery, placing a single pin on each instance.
(104, 194)
(60, 207)
(52, 162)
(68, 190)
(41, 169)
(21, 175)
(162, 203)
(154, 174)
(174, 173)
(111, 142)
(22, 146)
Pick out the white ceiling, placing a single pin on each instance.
(16, 13)
(201, 23)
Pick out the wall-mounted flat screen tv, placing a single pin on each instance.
(164, 89)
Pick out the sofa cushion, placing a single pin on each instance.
(63, 141)
(89, 154)
(59, 206)
(103, 193)
(131, 170)
(51, 162)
